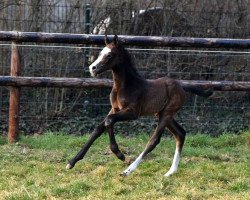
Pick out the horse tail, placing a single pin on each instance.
(199, 91)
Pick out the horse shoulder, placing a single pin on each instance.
(113, 99)
(121, 99)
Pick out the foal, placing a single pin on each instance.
(133, 96)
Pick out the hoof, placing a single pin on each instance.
(69, 166)
(167, 175)
(170, 173)
(123, 174)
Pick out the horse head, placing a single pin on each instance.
(107, 58)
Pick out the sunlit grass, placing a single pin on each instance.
(211, 168)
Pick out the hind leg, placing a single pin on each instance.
(152, 143)
(179, 134)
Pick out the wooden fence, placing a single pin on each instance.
(15, 81)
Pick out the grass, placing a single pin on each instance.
(211, 168)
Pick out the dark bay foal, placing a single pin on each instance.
(133, 96)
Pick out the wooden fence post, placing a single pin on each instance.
(15, 92)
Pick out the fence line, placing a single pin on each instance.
(16, 82)
(68, 38)
(98, 83)
(133, 49)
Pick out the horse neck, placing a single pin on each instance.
(125, 75)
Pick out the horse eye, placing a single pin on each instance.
(109, 56)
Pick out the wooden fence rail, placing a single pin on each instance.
(99, 83)
(68, 38)
(15, 81)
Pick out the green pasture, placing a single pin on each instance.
(211, 168)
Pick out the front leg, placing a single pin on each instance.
(96, 133)
(122, 115)
(109, 123)
(113, 144)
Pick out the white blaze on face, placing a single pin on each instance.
(104, 52)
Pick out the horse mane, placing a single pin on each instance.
(129, 64)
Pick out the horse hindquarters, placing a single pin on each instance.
(166, 118)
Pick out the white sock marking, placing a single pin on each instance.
(133, 166)
(175, 163)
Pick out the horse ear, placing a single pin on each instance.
(106, 40)
(115, 40)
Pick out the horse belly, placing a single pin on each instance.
(153, 104)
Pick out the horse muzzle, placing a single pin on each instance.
(95, 70)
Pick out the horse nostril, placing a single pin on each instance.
(94, 68)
